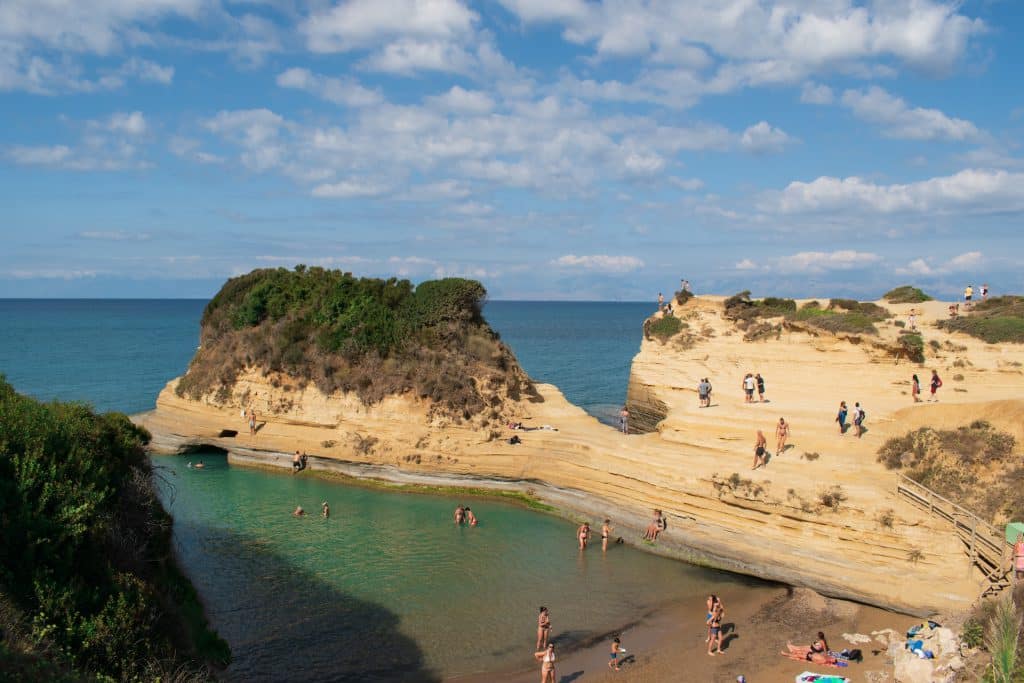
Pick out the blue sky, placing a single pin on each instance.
(554, 149)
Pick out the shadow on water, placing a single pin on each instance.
(285, 624)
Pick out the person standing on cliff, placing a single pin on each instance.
(760, 387)
(748, 388)
(661, 301)
(704, 392)
(841, 417)
(936, 383)
(624, 420)
(252, 421)
(781, 435)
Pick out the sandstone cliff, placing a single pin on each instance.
(823, 514)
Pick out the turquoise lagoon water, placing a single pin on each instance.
(387, 589)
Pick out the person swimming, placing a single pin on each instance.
(471, 517)
(199, 465)
(299, 512)
(460, 515)
(325, 510)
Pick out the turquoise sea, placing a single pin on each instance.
(387, 589)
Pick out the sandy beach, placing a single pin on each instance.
(669, 645)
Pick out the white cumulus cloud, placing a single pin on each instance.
(824, 261)
(600, 263)
(763, 138)
(899, 120)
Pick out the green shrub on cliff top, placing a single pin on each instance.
(906, 295)
(665, 327)
(371, 336)
(86, 544)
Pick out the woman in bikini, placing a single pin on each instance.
(583, 535)
(805, 654)
(606, 531)
(546, 657)
(715, 631)
(543, 628)
(781, 434)
(819, 646)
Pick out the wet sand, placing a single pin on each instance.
(669, 645)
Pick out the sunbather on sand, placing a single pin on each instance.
(802, 654)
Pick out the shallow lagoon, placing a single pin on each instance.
(388, 588)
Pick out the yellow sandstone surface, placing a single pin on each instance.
(768, 523)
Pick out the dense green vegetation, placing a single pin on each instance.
(665, 327)
(906, 295)
(88, 583)
(999, 319)
(974, 465)
(841, 315)
(370, 336)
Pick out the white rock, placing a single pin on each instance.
(948, 643)
(856, 638)
(911, 669)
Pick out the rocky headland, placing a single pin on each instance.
(824, 514)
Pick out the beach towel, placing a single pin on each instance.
(811, 677)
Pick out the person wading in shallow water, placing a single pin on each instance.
(606, 531)
(543, 628)
(546, 657)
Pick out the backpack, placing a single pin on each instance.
(863, 414)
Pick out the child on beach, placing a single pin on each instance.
(613, 663)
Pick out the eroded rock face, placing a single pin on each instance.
(774, 522)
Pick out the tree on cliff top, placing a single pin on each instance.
(367, 335)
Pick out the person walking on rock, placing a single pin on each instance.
(841, 417)
(781, 435)
(858, 418)
(935, 384)
(759, 450)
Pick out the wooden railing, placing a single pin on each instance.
(984, 542)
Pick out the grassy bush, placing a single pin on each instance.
(974, 466)
(1002, 640)
(842, 315)
(741, 307)
(1000, 319)
(906, 295)
(665, 327)
(369, 336)
(912, 346)
(88, 556)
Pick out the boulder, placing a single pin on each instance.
(911, 669)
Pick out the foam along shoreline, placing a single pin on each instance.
(767, 523)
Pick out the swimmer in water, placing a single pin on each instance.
(200, 465)
(325, 510)
(583, 535)
(299, 512)
(460, 515)
(471, 517)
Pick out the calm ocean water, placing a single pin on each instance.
(387, 589)
(118, 354)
